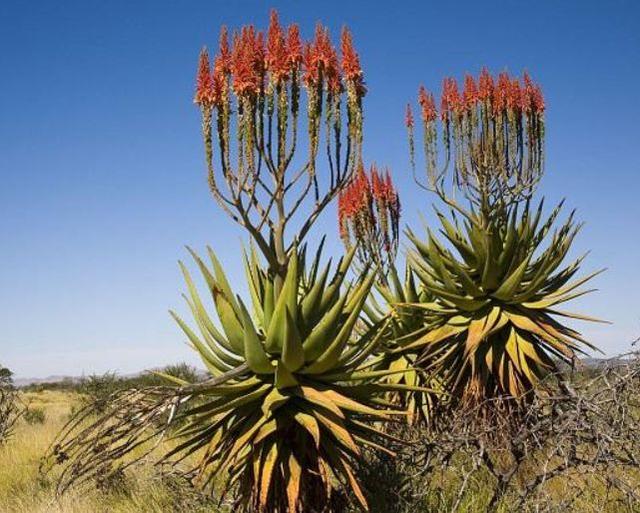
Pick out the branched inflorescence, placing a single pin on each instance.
(253, 97)
(492, 137)
(368, 217)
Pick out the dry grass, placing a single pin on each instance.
(24, 490)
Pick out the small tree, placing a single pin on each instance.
(9, 404)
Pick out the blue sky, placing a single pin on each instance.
(102, 173)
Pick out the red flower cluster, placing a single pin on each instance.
(369, 211)
(450, 100)
(247, 61)
(354, 201)
(351, 63)
(277, 56)
(532, 94)
(504, 93)
(294, 46)
(251, 60)
(470, 94)
(320, 57)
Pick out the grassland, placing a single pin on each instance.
(24, 490)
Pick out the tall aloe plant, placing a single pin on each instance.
(289, 405)
(291, 426)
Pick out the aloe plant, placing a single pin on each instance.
(496, 288)
(292, 425)
(498, 277)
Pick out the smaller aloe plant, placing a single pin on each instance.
(294, 422)
(495, 286)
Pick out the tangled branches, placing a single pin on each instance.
(573, 447)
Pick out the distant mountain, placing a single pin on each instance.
(23, 382)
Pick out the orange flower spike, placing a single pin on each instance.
(258, 51)
(470, 94)
(277, 58)
(538, 100)
(247, 61)
(485, 86)
(377, 185)
(224, 52)
(501, 93)
(332, 72)
(204, 83)
(455, 101)
(427, 105)
(294, 46)
(350, 59)
(311, 74)
(449, 99)
(321, 46)
(343, 218)
(219, 81)
(408, 119)
(389, 188)
(515, 96)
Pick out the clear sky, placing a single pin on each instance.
(101, 169)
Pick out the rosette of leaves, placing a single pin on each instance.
(290, 428)
(497, 289)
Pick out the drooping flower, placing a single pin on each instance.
(204, 83)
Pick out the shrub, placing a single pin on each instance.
(34, 415)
